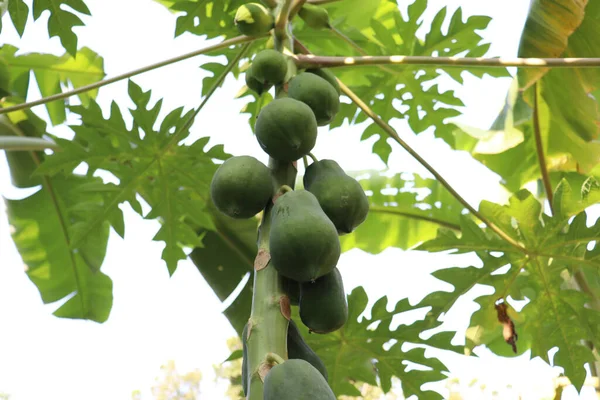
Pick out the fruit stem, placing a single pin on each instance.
(312, 156)
(282, 15)
(285, 189)
(296, 7)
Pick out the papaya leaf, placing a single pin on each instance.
(359, 352)
(51, 72)
(42, 227)
(554, 248)
(225, 257)
(404, 211)
(61, 21)
(205, 17)
(173, 179)
(408, 92)
(18, 11)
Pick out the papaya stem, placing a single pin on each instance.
(311, 61)
(126, 75)
(305, 160)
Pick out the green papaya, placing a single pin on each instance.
(317, 93)
(341, 197)
(269, 67)
(286, 129)
(253, 19)
(328, 76)
(298, 349)
(323, 306)
(291, 289)
(241, 187)
(245, 361)
(315, 17)
(254, 84)
(304, 242)
(296, 380)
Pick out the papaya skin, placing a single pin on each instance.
(298, 349)
(323, 306)
(291, 289)
(328, 76)
(304, 242)
(317, 93)
(255, 85)
(269, 67)
(241, 187)
(315, 17)
(296, 380)
(286, 129)
(253, 19)
(341, 197)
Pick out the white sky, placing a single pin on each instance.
(156, 318)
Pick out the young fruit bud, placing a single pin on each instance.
(315, 17)
(253, 19)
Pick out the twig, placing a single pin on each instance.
(311, 61)
(539, 147)
(296, 7)
(96, 85)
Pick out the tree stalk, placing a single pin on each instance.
(312, 61)
(126, 75)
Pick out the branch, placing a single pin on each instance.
(539, 147)
(87, 88)
(296, 7)
(12, 143)
(392, 133)
(311, 61)
(320, 2)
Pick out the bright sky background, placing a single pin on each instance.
(156, 318)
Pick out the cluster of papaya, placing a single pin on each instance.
(306, 224)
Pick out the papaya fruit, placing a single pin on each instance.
(304, 242)
(323, 306)
(245, 361)
(296, 380)
(328, 76)
(286, 129)
(269, 67)
(298, 349)
(315, 17)
(253, 19)
(254, 84)
(291, 289)
(317, 93)
(241, 187)
(341, 197)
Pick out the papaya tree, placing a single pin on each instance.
(305, 67)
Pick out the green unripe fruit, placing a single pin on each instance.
(291, 289)
(241, 187)
(323, 306)
(286, 129)
(304, 242)
(315, 17)
(328, 76)
(318, 94)
(253, 19)
(341, 197)
(269, 67)
(296, 380)
(254, 84)
(298, 349)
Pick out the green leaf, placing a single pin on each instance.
(42, 227)
(225, 257)
(50, 72)
(173, 179)
(357, 351)
(401, 214)
(18, 11)
(553, 250)
(207, 18)
(546, 34)
(61, 21)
